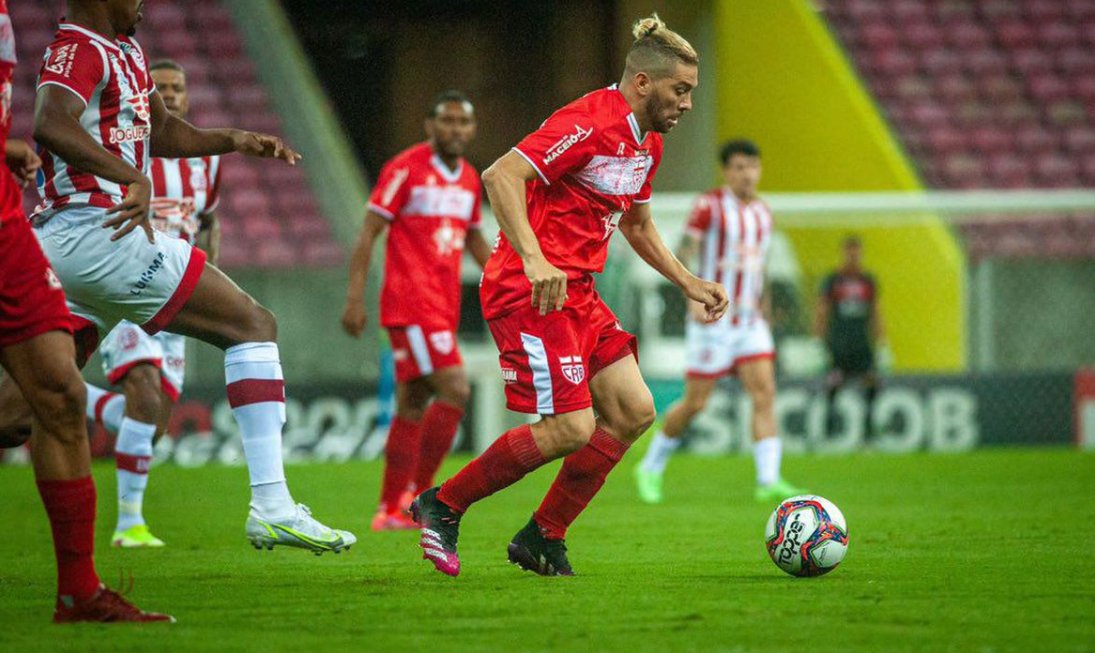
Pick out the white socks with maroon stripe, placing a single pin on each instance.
(256, 392)
(106, 407)
(133, 453)
(766, 455)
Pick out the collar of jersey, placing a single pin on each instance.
(90, 34)
(632, 121)
(451, 176)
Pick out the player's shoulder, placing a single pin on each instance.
(597, 106)
(419, 154)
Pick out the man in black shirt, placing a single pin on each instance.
(849, 322)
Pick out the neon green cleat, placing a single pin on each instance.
(136, 537)
(650, 485)
(777, 492)
(302, 531)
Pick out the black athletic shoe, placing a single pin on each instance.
(531, 551)
(440, 529)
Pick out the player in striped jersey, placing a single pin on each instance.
(729, 230)
(150, 368)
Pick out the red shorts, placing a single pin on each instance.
(31, 299)
(547, 360)
(420, 351)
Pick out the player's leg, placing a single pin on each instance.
(758, 376)
(133, 453)
(835, 379)
(871, 385)
(220, 313)
(625, 410)
(441, 420)
(412, 396)
(15, 415)
(649, 473)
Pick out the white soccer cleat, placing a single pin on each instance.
(302, 532)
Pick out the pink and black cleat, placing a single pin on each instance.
(440, 528)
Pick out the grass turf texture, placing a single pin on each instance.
(978, 552)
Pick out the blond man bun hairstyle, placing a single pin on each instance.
(657, 48)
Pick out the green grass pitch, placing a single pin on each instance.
(979, 552)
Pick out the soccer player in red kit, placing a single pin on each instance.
(98, 121)
(429, 198)
(558, 196)
(37, 351)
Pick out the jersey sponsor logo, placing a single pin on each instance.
(509, 375)
(611, 222)
(572, 369)
(616, 175)
(129, 134)
(567, 142)
(59, 61)
(141, 107)
(52, 281)
(197, 176)
(449, 240)
(440, 201)
(442, 342)
(175, 217)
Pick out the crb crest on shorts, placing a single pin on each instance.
(572, 369)
(442, 341)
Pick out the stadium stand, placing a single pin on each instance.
(986, 94)
(269, 215)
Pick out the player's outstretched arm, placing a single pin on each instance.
(175, 138)
(478, 246)
(354, 315)
(505, 182)
(57, 112)
(638, 227)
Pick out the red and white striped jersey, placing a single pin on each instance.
(734, 237)
(111, 78)
(184, 190)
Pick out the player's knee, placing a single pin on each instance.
(764, 398)
(455, 392)
(412, 413)
(571, 432)
(694, 404)
(262, 324)
(641, 417)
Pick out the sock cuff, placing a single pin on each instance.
(524, 448)
(132, 464)
(767, 444)
(252, 352)
(612, 448)
(404, 422)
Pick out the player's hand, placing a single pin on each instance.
(711, 295)
(134, 211)
(354, 318)
(549, 285)
(23, 160)
(696, 311)
(265, 146)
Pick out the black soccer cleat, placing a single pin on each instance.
(440, 530)
(531, 551)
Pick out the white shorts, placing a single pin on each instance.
(127, 345)
(106, 282)
(714, 350)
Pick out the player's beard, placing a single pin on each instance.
(659, 116)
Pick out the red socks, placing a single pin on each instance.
(400, 458)
(581, 477)
(71, 509)
(439, 426)
(504, 463)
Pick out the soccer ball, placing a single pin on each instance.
(807, 536)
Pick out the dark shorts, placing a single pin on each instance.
(852, 362)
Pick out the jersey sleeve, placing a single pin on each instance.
(390, 193)
(563, 143)
(476, 221)
(214, 185)
(647, 189)
(73, 65)
(700, 218)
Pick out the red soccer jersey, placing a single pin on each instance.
(430, 209)
(734, 237)
(11, 198)
(184, 190)
(593, 165)
(111, 77)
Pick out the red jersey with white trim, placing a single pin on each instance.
(593, 164)
(734, 237)
(111, 78)
(430, 208)
(11, 197)
(184, 190)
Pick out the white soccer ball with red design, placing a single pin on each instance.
(807, 536)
